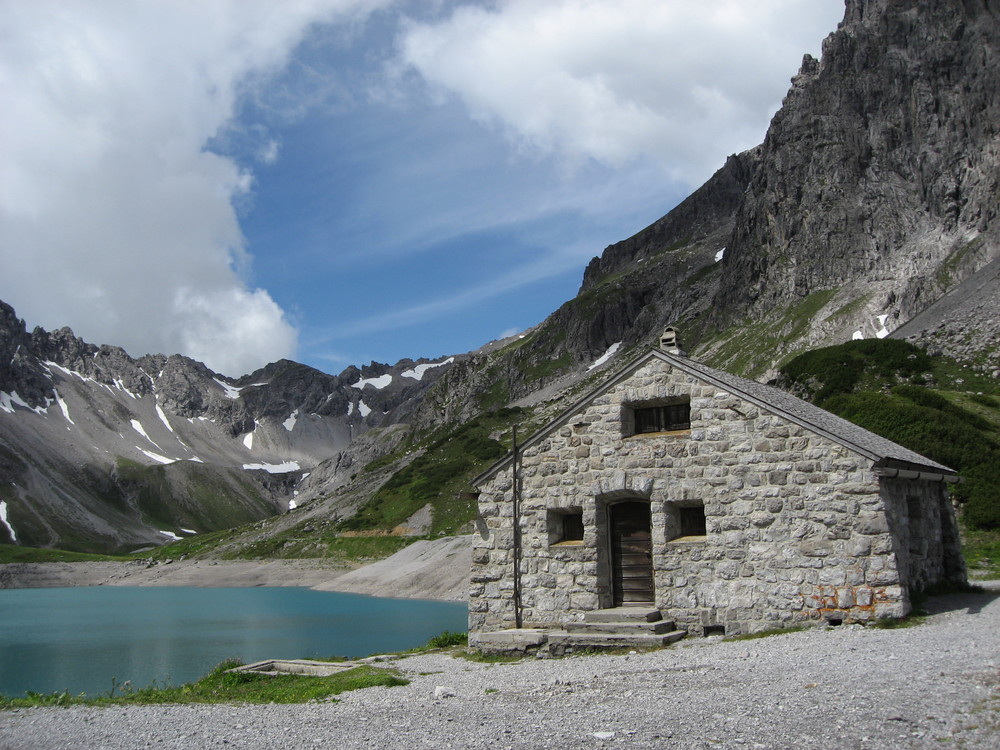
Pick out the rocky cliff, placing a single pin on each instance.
(876, 190)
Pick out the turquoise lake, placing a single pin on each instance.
(83, 639)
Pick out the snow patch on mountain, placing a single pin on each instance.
(137, 426)
(880, 329)
(364, 409)
(163, 417)
(63, 407)
(9, 400)
(274, 468)
(378, 383)
(417, 373)
(157, 457)
(606, 356)
(6, 521)
(289, 424)
(230, 391)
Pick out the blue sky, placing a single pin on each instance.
(340, 181)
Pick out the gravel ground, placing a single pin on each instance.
(933, 685)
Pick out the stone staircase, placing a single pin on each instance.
(620, 627)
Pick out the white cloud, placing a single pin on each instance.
(114, 219)
(682, 83)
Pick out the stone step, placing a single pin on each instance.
(560, 640)
(622, 614)
(621, 626)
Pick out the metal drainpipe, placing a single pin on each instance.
(518, 623)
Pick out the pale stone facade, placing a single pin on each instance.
(806, 517)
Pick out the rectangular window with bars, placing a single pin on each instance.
(664, 418)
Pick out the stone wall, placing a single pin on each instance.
(797, 524)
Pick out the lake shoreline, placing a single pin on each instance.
(437, 570)
(929, 686)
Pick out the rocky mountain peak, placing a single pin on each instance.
(878, 177)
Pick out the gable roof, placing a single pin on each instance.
(878, 449)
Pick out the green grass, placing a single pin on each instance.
(221, 686)
(765, 633)
(188, 547)
(848, 309)
(957, 257)
(327, 543)
(165, 494)
(547, 368)
(12, 553)
(891, 623)
(750, 349)
(982, 553)
(447, 639)
(458, 642)
(491, 658)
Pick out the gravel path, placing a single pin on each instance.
(934, 685)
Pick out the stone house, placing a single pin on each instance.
(726, 505)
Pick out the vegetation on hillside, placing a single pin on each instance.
(930, 404)
(437, 478)
(13, 553)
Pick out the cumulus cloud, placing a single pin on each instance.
(114, 218)
(682, 83)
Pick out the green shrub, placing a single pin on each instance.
(448, 639)
(832, 370)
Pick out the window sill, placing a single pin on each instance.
(667, 433)
(571, 543)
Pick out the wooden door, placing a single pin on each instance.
(631, 553)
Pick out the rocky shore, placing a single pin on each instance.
(933, 685)
(437, 569)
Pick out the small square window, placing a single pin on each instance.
(565, 526)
